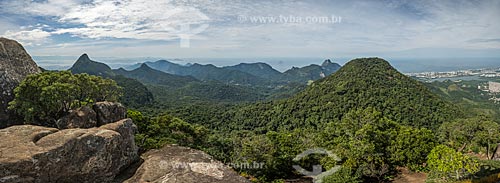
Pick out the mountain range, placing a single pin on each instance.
(248, 74)
(170, 82)
(165, 87)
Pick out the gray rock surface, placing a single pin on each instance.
(174, 163)
(83, 117)
(39, 154)
(108, 112)
(15, 65)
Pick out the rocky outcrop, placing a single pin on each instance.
(174, 163)
(39, 154)
(108, 112)
(15, 65)
(83, 117)
(101, 113)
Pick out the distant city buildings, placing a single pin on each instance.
(493, 87)
(488, 72)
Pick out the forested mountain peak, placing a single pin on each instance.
(368, 64)
(85, 65)
(373, 82)
(363, 69)
(260, 65)
(259, 69)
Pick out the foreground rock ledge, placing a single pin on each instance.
(39, 154)
(174, 163)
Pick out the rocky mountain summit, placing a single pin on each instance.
(97, 154)
(40, 154)
(15, 65)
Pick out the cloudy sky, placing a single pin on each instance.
(254, 28)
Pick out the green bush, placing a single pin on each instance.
(446, 163)
(165, 129)
(43, 98)
(344, 175)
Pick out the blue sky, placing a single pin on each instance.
(254, 28)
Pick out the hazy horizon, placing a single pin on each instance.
(282, 64)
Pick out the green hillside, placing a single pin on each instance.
(260, 69)
(148, 75)
(360, 84)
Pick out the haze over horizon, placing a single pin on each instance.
(254, 29)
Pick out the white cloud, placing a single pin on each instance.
(28, 37)
(134, 19)
(40, 8)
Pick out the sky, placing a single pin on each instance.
(254, 28)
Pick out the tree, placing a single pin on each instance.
(43, 98)
(372, 145)
(467, 134)
(166, 129)
(275, 149)
(489, 134)
(447, 162)
(342, 176)
(362, 139)
(410, 146)
(135, 94)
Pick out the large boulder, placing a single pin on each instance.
(15, 65)
(39, 154)
(83, 117)
(108, 112)
(174, 163)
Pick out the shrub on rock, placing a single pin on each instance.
(44, 98)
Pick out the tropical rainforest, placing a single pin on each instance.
(372, 119)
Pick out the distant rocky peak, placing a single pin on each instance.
(327, 62)
(84, 58)
(144, 66)
(85, 65)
